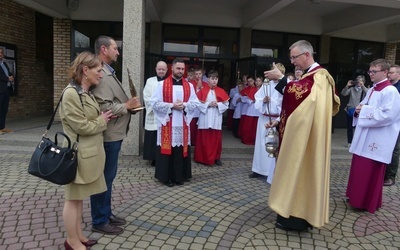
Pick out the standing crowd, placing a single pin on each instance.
(294, 110)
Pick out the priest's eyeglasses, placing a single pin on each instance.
(292, 58)
(373, 72)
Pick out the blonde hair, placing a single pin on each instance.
(85, 58)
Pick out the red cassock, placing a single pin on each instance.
(249, 125)
(243, 117)
(209, 141)
(193, 123)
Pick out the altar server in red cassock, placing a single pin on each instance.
(198, 84)
(250, 123)
(214, 101)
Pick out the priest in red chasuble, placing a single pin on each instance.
(174, 102)
(214, 101)
(300, 191)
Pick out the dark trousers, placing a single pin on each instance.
(4, 101)
(101, 203)
(235, 127)
(391, 169)
(350, 129)
(150, 145)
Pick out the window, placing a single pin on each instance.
(199, 41)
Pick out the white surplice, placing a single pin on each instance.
(162, 111)
(238, 106)
(262, 163)
(377, 125)
(211, 118)
(149, 88)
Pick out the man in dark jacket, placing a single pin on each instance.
(6, 78)
(391, 169)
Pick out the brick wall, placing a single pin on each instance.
(35, 84)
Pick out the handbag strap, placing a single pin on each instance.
(55, 111)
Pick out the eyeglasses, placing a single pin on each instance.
(295, 57)
(373, 72)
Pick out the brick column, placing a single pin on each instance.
(62, 55)
(390, 53)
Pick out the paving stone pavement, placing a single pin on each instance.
(220, 208)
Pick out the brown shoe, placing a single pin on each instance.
(1, 132)
(6, 130)
(108, 229)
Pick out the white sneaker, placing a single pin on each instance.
(349, 145)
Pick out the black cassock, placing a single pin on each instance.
(174, 167)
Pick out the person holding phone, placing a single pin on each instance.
(356, 90)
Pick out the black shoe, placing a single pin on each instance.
(169, 183)
(254, 175)
(389, 182)
(179, 183)
(108, 229)
(153, 163)
(218, 162)
(116, 221)
(280, 226)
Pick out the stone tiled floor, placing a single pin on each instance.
(220, 208)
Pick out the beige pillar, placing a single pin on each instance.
(133, 59)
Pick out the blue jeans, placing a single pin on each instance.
(101, 203)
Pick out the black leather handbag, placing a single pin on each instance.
(52, 162)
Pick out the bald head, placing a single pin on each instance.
(161, 69)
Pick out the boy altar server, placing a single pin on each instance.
(377, 121)
(269, 104)
(214, 101)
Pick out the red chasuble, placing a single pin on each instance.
(220, 93)
(295, 93)
(166, 131)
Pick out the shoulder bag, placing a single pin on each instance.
(52, 162)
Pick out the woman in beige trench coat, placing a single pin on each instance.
(82, 120)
